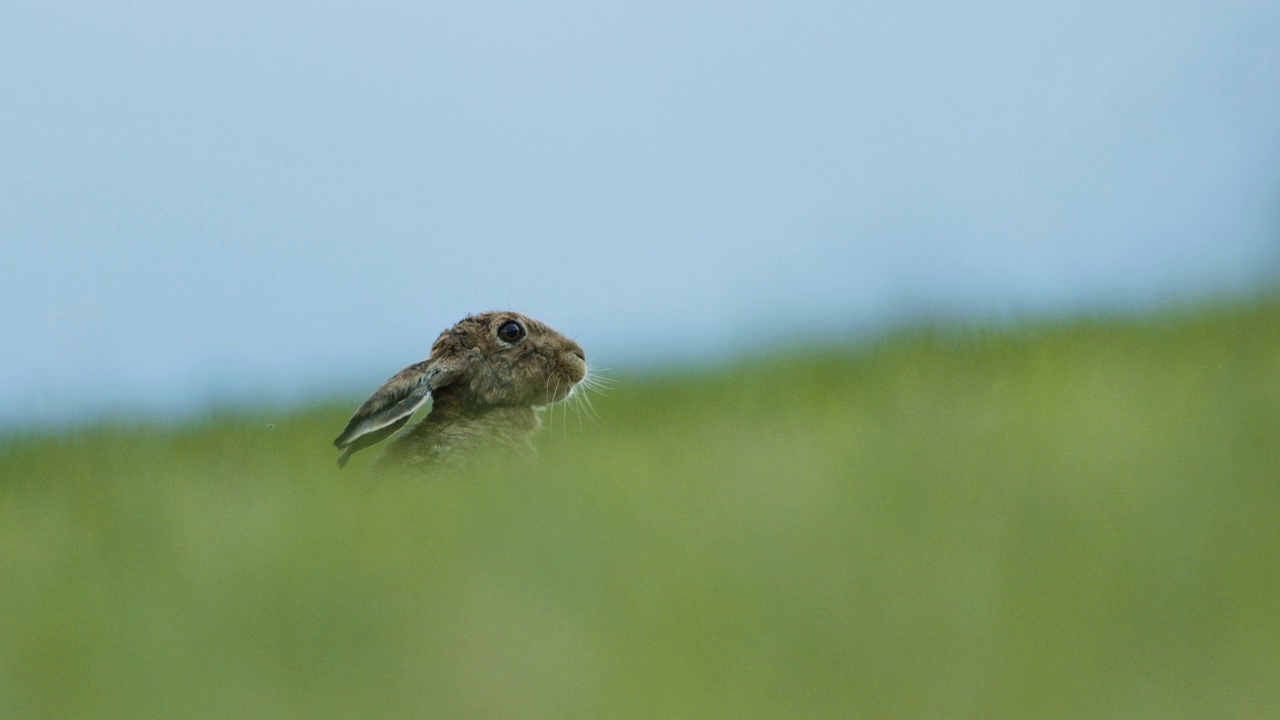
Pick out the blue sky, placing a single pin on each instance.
(211, 202)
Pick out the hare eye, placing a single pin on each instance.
(511, 331)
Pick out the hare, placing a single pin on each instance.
(484, 377)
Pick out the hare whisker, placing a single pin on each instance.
(590, 406)
(564, 415)
(598, 382)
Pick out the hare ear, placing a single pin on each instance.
(390, 406)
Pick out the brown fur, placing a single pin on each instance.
(483, 393)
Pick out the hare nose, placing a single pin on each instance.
(576, 349)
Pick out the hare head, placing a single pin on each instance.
(485, 366)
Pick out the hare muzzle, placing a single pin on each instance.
(571, 369)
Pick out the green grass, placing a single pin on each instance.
(1075, 520)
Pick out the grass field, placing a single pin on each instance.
(1059, 520)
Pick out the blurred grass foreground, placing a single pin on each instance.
(1076, 520)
